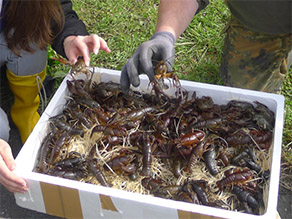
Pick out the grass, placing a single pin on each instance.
(125, 24)
(286, 170)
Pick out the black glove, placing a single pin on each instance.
(159, 47)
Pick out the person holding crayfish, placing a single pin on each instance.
(26, 29)
(257, 48)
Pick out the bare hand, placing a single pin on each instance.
(8, 179)
(76, 46)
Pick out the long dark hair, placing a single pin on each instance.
(31, 21)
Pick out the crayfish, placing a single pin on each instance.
(182, 146)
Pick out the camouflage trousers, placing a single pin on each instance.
(254, 60)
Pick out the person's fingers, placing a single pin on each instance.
(145, 59)
(7, 164)
(6, 155)
(82, 48)
(12, 186)
(92, 42)
(130, 73)
(133, 70)
(72, 56)
(96, 43)
(9, 180)
(76, 46)
(69, 49)
(124, 80)
(103, 45)
(168, 55)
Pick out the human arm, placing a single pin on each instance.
(8, 179)
(173, 18)
(74, 40)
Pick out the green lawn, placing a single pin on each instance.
(125, 24)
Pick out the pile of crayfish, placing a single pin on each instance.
(182, 147)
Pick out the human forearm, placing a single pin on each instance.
(175, 15)
(173, 18)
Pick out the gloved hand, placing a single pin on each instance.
(159, 47)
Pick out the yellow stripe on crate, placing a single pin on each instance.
(61, 201)
(190, 215)
(107, 203)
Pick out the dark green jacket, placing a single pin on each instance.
(265, 16)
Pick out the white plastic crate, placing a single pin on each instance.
(73, 199)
